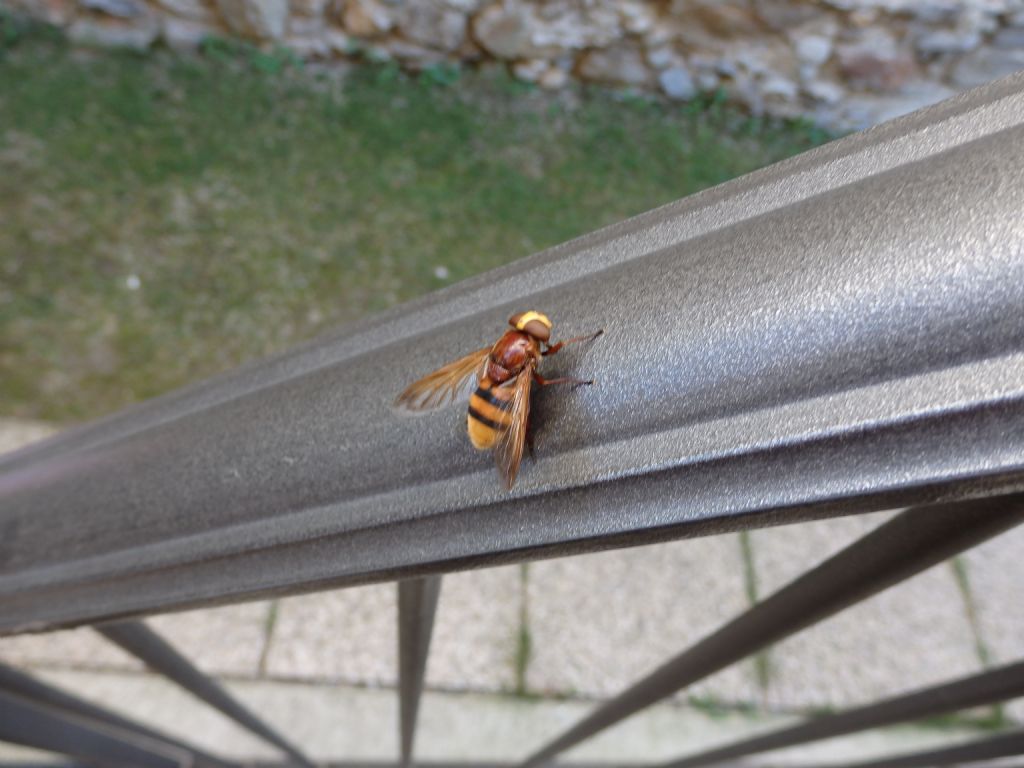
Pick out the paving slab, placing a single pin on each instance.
(16, 433)
(345, 723)
(476, 631)
(73, 648)
(599, 622)
(346, 635)
(221, 641)
(914, 634)
(12, 755)
(995, 574)
(350, 635)
(152, 700)
(226, 640)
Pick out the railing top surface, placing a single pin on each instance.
(839, 331)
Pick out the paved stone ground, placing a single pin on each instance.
(917, 633)
(565, 632)
(341, 722)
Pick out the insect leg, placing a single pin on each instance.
(560, 380)
(553, 348)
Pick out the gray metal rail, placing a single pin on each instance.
(839, 333)
(990, 687)
(992, 748)
(417, 604)
(34, 724)
(140, 641)
(29, 689)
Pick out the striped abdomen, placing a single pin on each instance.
(489, 416)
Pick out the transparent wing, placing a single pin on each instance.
(508, 453)
(444, 385)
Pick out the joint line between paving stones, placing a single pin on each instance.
(959, 566)
(268, 638)
(523, 640)
(963, 582)
(762, 662)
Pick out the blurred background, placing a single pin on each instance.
(186, 185)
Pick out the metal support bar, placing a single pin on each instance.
(1003, 745)
(28, 687)
(836, 333)
(417, 603)
(378, 764)
(988, 687)
(143, 643)
(906, 545)
(32, 724)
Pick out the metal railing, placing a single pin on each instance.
(838, 333)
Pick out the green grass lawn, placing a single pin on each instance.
(163, 217)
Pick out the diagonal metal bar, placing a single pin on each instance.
(994, 747)
(28, 687)
(989, 687)
(906, 545)
(32, 724)
(417, 604)
(143, 643)
(836, 333)
(381, 764)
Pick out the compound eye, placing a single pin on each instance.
(538, 330)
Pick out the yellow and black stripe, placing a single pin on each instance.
(489, 414)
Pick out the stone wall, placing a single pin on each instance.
(845, 63)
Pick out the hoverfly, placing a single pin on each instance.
(499, 408)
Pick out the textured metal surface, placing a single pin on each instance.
(992, 748)
(140, 641)
(986, 688)
(27, 687)
(417, 604)
(36, 725)
(906, 545)
(838, 332)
